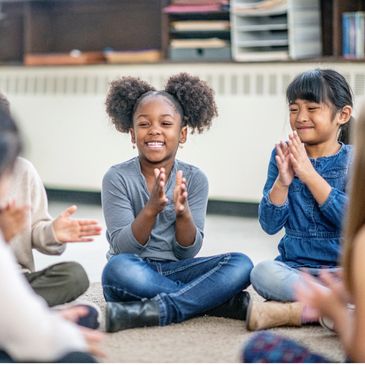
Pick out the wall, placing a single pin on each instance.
(71, 142)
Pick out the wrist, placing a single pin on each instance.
(185, 214)
(150, 212)
(281, 186)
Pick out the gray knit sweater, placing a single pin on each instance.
(125, 193)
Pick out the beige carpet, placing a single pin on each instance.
(203, 339)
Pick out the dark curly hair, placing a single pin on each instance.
(192, 98)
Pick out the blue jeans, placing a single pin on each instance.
(274, 280)
(183, 289)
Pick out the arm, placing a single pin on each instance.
(118, 214)
(305, 171)
(352, 333)
(191, 201)
(273, 217)
(129, 232)
(331, 301)
(29, 331)
(42, 234)
(146, 218)
(331, 201)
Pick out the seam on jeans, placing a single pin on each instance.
(163, 309)
(125, 292)
(192, 264)
(197, 281)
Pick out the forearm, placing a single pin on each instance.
(185, 229)
(318, 186)
(278, 193)
(143, 224)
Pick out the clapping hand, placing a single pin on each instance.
(180, 194)
(299, 159)
(158, 198)
(286, 172)
(12, 220)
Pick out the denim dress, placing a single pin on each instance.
(312, 231)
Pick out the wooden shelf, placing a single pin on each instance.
(48, 27)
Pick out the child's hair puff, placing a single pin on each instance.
(196, 99)
(192, 98)
(121, 100)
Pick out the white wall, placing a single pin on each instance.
(71, 142)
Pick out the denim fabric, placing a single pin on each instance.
(183, 289)
(268, 277)
(267, 347)
(312, 231)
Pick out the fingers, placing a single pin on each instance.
(73, 313)
(69, 211)
(179, 177)
(93, 339)
(89, 227)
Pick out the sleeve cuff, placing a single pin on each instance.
(269, 203)
(329, 201)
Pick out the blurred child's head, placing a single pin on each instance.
(4, 103)
(327, 87)
(10, 146)
(355, 220)
(158, 120)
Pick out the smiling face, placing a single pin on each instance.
(315, 123)
(157, 130)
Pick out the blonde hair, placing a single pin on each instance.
(355, 218)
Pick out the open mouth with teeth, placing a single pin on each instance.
(155, 144)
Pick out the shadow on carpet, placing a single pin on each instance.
(202, 339)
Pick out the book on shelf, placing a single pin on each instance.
(353, 34)
(200, 25)
(198, 43)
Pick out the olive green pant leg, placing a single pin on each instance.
(60, 283)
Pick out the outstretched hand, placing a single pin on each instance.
(67, 229)
(180, 194)
(12, 220)
(158, 198)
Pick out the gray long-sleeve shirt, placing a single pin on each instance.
(125, 193)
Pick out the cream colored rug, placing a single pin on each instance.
(203, 339)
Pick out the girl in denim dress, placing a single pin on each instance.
(333, 300)
(305, 193)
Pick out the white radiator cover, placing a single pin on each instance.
(70, 140)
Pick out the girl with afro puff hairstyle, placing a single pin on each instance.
(155, 205)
